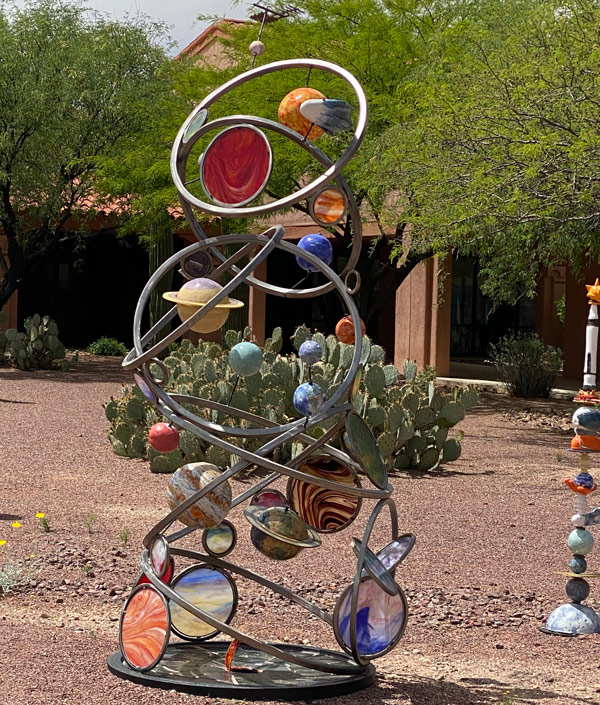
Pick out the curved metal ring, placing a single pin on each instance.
(291, 484)
(356, 654)
(251, 458)
(201, 131)
(270, 244)
(304, 192)
(355, 289)
(230, 616)
(313, 200)
(136, 589)
(231, 546)
(163, 368)
(136, 356)
(353, 211)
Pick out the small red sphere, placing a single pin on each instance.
(344, 330)
(163, 438)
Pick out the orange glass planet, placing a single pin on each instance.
(344, 330)
(289, 111)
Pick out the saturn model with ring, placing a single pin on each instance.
(190, 589)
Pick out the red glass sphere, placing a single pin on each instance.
(163, 438)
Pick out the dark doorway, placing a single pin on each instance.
(89, 293)
(474, 325)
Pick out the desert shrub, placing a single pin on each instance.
(526, 365)
(409, 417)
(12, 576)
(108, 346)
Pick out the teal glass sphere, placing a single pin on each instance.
(245, 359)
(580, 542)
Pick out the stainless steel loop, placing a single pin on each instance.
(160, 381)
(356, 288)
(306, 191)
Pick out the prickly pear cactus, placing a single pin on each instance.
(410, 418)
(37, 348)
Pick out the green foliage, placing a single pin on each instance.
(108, 346)
(37, 348)
(90, 522)
(483, 122)
(410, 370)
(125, 535)
(526, 365)
(496, 149)
(74, 87)
(410, 420)
(560, 305)
(482, 126)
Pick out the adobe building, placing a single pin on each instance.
(432, 319)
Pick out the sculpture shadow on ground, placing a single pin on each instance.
(467, 691)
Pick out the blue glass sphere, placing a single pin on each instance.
(584, 479)
(317, 245)
(308, 398)
(245, 359)
(310, 352)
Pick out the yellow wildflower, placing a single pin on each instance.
(2, 542)
(40, 515)
(16, 524)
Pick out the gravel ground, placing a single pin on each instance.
(491, 532)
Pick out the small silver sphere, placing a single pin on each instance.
(257, 48)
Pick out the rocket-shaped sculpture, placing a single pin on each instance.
(591, 349)
(587, 393)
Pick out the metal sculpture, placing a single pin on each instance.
(325, 485)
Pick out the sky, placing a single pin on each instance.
(181, 14)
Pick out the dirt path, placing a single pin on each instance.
(491, 533)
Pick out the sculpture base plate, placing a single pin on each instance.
(200, 669)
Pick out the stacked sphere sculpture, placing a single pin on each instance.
(190, 588)
(573, 618)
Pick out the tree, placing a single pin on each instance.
(73, 86)
(378, 46)
(484, 125)
(482, 137)
(500, 157)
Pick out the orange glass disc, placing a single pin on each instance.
(144, 628)
(328, 206)
(585, 443)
